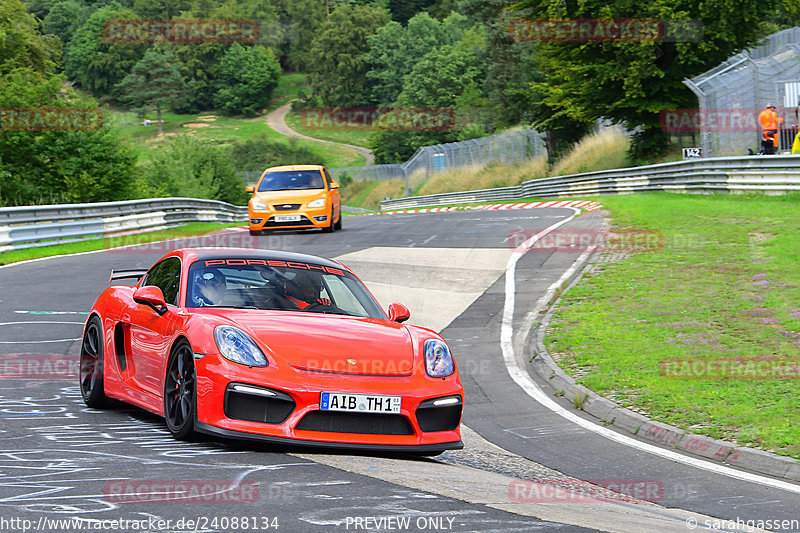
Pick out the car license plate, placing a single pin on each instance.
(287, 218)
(359, 403)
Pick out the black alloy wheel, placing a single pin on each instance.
(179, 392)
(91, 364)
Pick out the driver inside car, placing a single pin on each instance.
(208, 288)
(304, 291)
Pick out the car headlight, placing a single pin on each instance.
(235, 345)
(319, 202)
(438, 359)
(259, 205)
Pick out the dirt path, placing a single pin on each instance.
(277, 121)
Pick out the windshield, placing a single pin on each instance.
(279, 285)
(291, 180)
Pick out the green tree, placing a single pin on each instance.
(403, 10)
(440, 77)
(21, 44)
(386, 59)
(4, 176)
(629, 81)
(305, 16)
(511, 71)
(94, 62)
(447, 77)
(199, 66)
(64, 19)
(154, 81)
(247, 77)
(160, 9)
(59, 166)
(395, 50)
(338, 73)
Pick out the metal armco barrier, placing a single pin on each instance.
(45, 225)
(765, 174)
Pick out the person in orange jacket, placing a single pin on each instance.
(769, 124)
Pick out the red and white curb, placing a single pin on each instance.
(583, 205)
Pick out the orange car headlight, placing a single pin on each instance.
(319, 202)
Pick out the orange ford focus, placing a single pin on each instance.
(295, 197)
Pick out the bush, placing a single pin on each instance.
(259, 152)
(247, 77)
(648, 145)
(192, 168)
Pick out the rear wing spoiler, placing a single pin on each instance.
(127, 274)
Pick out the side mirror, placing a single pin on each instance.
(151, 296)
(399, 313)
(334, 185)
(250, 188)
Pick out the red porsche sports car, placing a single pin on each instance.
(274, 346)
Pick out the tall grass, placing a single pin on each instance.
(603, 150)
(487, 177)
(368, 194)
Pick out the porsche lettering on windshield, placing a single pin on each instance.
(272, 284)
(273, 263)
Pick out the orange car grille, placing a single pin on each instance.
(286, 207)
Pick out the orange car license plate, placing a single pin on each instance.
(287, 218)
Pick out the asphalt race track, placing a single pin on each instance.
(65, 467)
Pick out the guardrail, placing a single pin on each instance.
(45, 225)
(767, 174)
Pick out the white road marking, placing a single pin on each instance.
(436, 304)
(477, 258)
(39, 322)
(521, 377)
(26, 312)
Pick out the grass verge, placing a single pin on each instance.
(300, 124)
(288, 86)
(219, 129)
(657, 330)
(189, 230)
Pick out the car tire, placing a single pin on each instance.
(180, 392)
(331, 227)
(338, 224)
(91, 364)
(255, 233)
